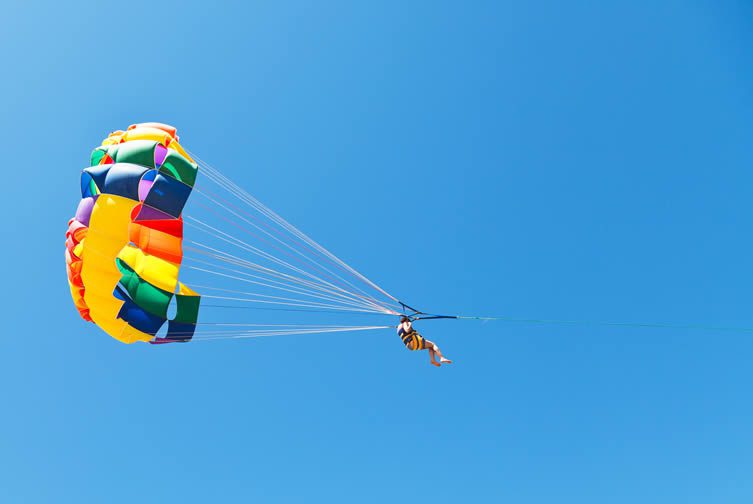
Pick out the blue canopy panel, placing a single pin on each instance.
(178, 332)
(168, 195)
(119, 179)
(136, 316)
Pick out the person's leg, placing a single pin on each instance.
(432, 353)
(442, 359)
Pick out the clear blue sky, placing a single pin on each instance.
(565, 160)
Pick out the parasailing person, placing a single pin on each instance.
(414, 341)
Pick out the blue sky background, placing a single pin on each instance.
(565, 160)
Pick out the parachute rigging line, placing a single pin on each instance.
(272, 332)
(388, 306)
(331, 275)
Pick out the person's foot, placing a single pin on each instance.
(445, 361)
(435, 363)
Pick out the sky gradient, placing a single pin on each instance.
(548, 160)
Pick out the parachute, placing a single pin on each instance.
(123, 247)
(126, 249)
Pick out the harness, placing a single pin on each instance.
(406, 336)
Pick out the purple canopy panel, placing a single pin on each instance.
(160, 153)
(149, 213)
(84, 210)
(144, 188)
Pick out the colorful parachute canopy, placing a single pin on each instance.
(124, 245)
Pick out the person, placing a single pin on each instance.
(414, 341)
